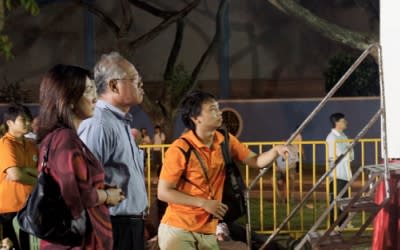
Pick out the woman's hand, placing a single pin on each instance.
(114, 196)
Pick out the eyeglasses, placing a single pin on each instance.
(139, 83)
(124, 79)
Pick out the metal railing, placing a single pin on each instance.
(268, 207)
(380, 114)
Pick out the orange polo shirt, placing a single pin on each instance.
(191, 218)
(15, 153)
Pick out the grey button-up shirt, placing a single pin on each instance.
(107, 134)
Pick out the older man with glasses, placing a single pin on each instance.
(108, 136)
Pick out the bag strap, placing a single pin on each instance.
(230, 166)
(225, 148)
(187, 154)
(46, 155)
(203, 168)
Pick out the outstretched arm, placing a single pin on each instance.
(266, 158)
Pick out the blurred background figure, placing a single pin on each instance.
(33, 130)
(6, 244)
(223, 232)
(285, 167)
(337, 145)
(158, 139)
(146, 140)
(136, 135)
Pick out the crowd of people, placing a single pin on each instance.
(93, 155)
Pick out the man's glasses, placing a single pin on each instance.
(139, 83)
(124, 79)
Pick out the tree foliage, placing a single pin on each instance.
(177, 80)
(5, 7)
(364, 81)
(12, 92)
(354, 39)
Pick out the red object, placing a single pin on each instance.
(387, 223)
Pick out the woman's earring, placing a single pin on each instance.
(72, 106)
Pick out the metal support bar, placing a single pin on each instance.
(300, 129)
(291, 138)
(383, 125)
(322, 179)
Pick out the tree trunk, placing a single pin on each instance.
(331, 31)
(163, 112)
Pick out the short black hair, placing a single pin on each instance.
(14, 111)
(335, 117)
(191, 106)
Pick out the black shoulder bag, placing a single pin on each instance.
(233, 193)
(234, 186)
(45, 214)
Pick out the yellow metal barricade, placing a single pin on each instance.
(313, 162)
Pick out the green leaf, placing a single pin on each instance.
(24, 2)
(35, 9)
(8, 4)
(6, 47)
(5, 44)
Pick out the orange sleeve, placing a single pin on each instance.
(7, 155)
(174, 164)
(238, 150)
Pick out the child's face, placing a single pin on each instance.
(21, 125)
(6, 244)
(222, 237)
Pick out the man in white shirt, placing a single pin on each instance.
(337, 144)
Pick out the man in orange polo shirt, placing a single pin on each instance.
(18, 171)
(194, 204)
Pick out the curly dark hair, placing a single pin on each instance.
(191, 106)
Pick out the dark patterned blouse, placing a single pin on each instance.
(79, 174)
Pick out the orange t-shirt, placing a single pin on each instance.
(192, 218)
(15, 153)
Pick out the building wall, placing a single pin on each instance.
(275, 120)
(267, 47)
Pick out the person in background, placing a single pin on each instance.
(18, 171)
(146, 140)
(107, 134)
(6, 244)
(284, 167)
(33, 129)
(136, 135)
(225, 242)
(290, 166)
(194, 201)
(67, 96)
(337, 144)
(158, 139)
(298, 139)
